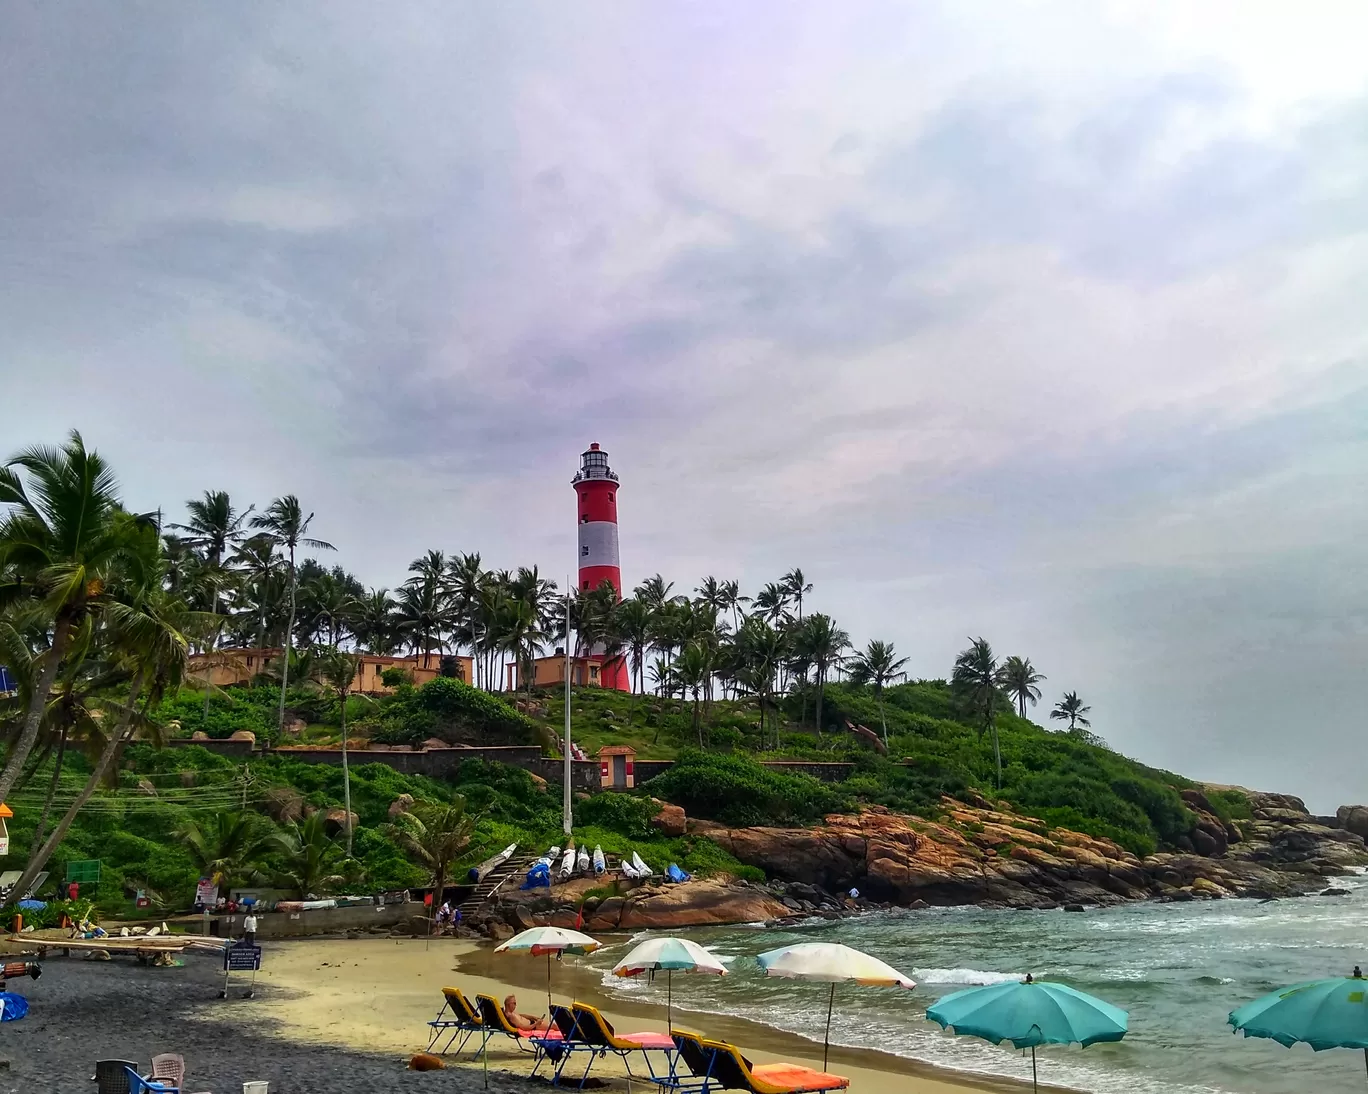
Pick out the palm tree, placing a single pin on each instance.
(877, 664)
(287, 526)
(310, 856)
(759, 652)
(732, 601)
(655, 590)
(634, 628)
(522, 637)
(337, 668)
(976, 679)
(434, 835)
(463, 583)
(1019, 680)
(263, 584)
(692, 669)
(225, 846)
(1071, 707)
(822, 643)
(374, 622)
(771, 603)
(214, 524)
(62, 537)
(796, 586)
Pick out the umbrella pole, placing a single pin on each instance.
(669, 973)
(548, 985)
(826, 1040)
(1035, 1083)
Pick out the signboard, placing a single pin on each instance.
(84, 870)
(140, 900)
(242, 958)
(206, 892)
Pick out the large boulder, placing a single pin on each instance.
(284, 804)
(670, 819)
(402, 804)
(1353, 818)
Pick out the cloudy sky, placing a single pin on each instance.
(1033, 320)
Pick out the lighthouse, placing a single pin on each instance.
(596, 488)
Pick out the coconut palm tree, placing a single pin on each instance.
(822, 643)
(286, 525)
(1072, 708)
(1019, 680)
(692, 670)
(146, 633)
(263, 585)
(225, 847)
(771, 604)
(463, 583)
(634, 629)
(732, 601)
(760, 650)
(311, 856)
(520, 634)
(655, 590)
(375, 623)
(214, 524)
(434, 835)
(337, 669)
(62, 536)
(796, 586)
(976, 679)
(877, 664)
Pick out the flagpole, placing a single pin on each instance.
(566, 817)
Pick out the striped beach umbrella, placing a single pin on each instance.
(669, 955)
(831, 962)
(548, 940)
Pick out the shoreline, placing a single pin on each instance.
(375, 995)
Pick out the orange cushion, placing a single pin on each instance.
(796, 1078)
(541, 1034)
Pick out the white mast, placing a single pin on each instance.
(566, 816)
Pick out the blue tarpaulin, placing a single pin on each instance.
(538, 876)
(12, 1007)
(674, 873)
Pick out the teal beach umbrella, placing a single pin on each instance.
(1030, 1013)
(1320, 1013)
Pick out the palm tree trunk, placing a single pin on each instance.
(33, 718)
(346, 775)
(285, 668)
(882, 722)
(116, 741)
(821, 688)
(52, 790)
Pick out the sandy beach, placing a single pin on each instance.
(376, 995)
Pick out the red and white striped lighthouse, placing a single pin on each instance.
(596, 488)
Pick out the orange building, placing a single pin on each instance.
(225, 668)
(548, 672)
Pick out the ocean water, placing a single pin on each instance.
(1179, 969)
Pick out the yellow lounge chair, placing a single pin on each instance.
(732, 1071)
(463, 1023)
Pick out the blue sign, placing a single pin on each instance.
(242, 958)
(6, 681)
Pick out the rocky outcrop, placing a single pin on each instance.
(978, 854)
(670, 819)
(1353, 818)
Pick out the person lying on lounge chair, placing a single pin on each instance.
(521, 1021)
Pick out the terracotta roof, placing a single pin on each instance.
(617, 750)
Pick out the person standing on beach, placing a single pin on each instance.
(249, 928)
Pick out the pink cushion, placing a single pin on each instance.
(649, 1040)
(541, 1034)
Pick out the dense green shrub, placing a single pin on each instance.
(624, 813)
(736, 790)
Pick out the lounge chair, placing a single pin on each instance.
(493, 1020)
(696, 1076)
(110, 1077)
(138, 1085)
(594, 1030)
(732, 1071)
(463, 1022)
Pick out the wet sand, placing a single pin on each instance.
(375, 995)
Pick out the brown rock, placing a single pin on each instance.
(670, 820)
(1353, 818)
(339, 818)
(434, 742)
(199, 735)
(243, 735)
(537, 781)
(523, 918)
(499, 932)
(697, 904)
(284, 804)
(402, 804)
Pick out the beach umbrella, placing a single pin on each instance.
(1321, 1013)
(1029, 1013)
(548, 941)
(830, 962)
(671, 955)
